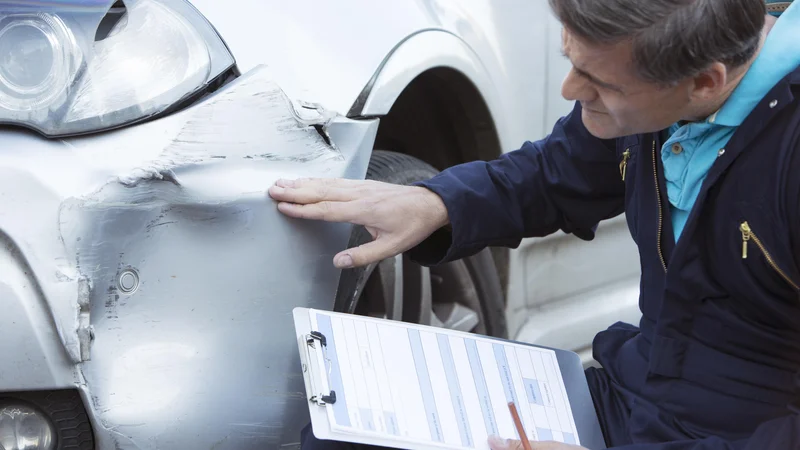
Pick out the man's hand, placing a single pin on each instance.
(496, 443)
(398, 217)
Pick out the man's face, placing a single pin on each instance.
(615, 101)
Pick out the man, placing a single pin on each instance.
(686, 119)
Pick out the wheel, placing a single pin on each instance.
(464, 295)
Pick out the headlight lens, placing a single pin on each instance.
(57, 78)
(37, 61)
(24, 428)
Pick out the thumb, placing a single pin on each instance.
(498, 443)
(364, 254)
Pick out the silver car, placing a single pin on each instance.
(146, 279)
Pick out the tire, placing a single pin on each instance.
(466, 295)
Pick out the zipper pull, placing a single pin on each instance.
(746, 235)
(623, 166)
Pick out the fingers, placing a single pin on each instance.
(375, 205)
(496, 443)
(368, 253)
(515, 445)
(313, 190)
(351, 212)
(311, 194)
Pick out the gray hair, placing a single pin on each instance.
(671, 39)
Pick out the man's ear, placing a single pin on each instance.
(710, 84)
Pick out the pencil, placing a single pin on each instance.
(526, 445)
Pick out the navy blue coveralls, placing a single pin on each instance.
(715, 360)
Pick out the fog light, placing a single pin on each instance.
(24, 428)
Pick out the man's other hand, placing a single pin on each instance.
(496, 443)
(398, 217)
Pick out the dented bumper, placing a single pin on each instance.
(148, 268)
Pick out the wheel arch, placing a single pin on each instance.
(433, 89)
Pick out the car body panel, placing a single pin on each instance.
(326, 52)
(202, 351)
(34, 356)
(416, 54)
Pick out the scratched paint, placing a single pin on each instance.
(182, 201)
(262, 115)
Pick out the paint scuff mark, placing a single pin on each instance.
(149, 174)
(85, 330)
(241, 122)
(150, 227)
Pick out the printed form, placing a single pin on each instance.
(414, 384)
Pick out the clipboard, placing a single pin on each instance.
(315, 359)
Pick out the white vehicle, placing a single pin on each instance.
(146, 279)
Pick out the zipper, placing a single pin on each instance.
(747, 236)
(660, 210)
(747, 233)
(623, 166)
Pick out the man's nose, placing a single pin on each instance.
(577, 88)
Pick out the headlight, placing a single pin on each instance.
(25, 428)
(60, 76)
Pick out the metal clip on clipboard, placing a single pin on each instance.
(313, 368)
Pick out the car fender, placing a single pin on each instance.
(418, 53)
(40, 339)
(319, 52)
(40, 287)
(141, 265)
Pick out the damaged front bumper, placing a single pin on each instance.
(147, 267)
